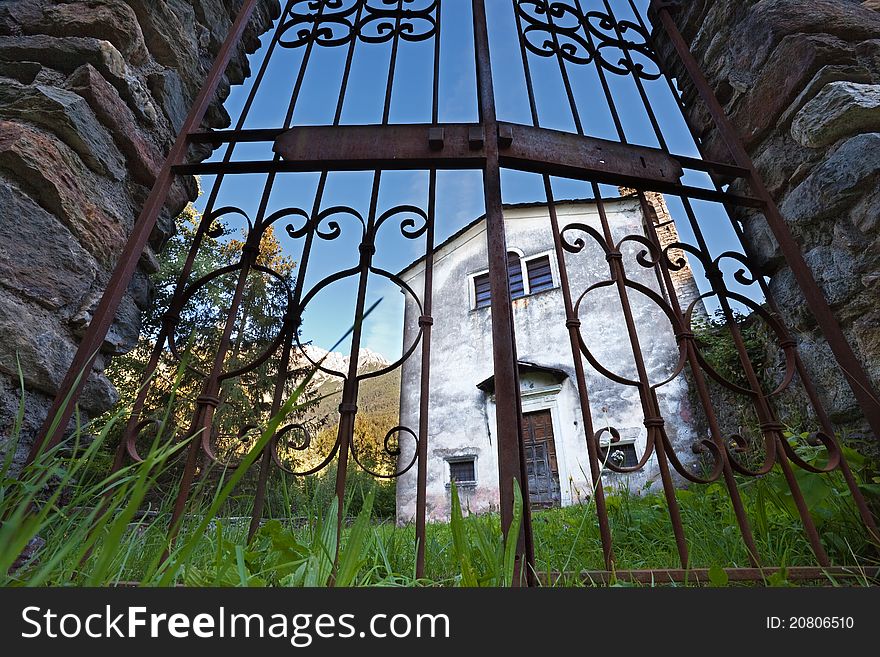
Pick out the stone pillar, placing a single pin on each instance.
(801, 83)
(92, 93)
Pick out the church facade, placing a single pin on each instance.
(462, 445)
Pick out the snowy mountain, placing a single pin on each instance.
(368, 361)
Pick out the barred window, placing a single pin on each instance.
(515, 272)
(622, 454)
(481, 291)
(462, 470)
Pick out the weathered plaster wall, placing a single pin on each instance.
(462, 417)
(92, 94)
(801, 83)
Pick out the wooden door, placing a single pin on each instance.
(540, 454)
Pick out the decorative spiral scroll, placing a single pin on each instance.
(410, 23)
(785, 343)
(393, 452)
(615, 438)
(704, 447)
(306, 443)
(332, 23)
(578, 244)
(279, 336)
(132, 437)
(657, 436)
(831, 447)
(739, 444)
(215, 227)
(647, 257)
(745, 275)
(333, 229)
(555, 28)
(172, 318)
(191, 290)
(208, 448)
(659, 302)
(413, 222)
(290, 212)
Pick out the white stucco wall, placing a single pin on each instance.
(462, 417)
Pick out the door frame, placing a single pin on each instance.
(544, 398)
(556, 450)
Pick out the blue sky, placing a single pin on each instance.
(459, 193)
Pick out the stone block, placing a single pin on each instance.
(108, 20)
(837, 183)
(793, 63)
(840, 110)
(39, 258)
(167, 89)
(768, 22)
(68, 116)
(142, 157)
(24, 72)
(66, 188)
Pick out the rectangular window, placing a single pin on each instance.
(540, 274)
(537, 271)
(481, 291)
(462, 471)
(622, 455)
(515, 273)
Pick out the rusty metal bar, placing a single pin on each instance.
(573, 324)
(294, 318)
(457, 146)
(437, 140)
(703, 393)
(426, 321)
(508, 408)
(127, 446)
(359, 147)
(701, 576)
(448, 146)
(211, 397)
(576, 156)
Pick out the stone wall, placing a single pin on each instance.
(92, 94)
(801, 83)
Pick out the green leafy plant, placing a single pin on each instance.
(484, 557)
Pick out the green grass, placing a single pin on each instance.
(59, 498)
(293, 552)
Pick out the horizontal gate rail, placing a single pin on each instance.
(462, 146)
(832, 576)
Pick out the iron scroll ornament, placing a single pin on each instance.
(771, 429)
(412, 222)
(657, 437)
(331, 23)
(561, 29)
(673, 258)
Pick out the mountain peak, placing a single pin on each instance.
(368, 361)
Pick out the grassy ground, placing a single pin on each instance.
(66, 522)
(287, 550)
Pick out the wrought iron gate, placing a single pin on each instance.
(579, 38)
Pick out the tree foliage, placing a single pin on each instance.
(198, 327)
